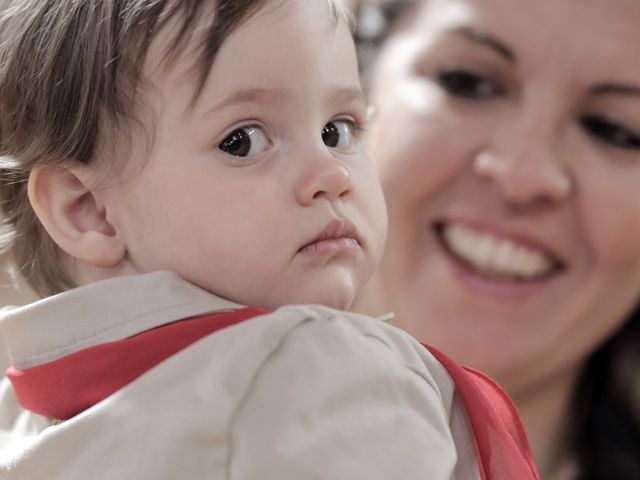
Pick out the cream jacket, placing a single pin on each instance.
(303, 393)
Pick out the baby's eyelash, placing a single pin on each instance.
(357, 126)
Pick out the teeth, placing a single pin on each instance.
(496, 257)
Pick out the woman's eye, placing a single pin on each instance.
(610, 132)
(465, 84)
(245, 141)
(339, 134)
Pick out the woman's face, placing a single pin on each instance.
(507, 137)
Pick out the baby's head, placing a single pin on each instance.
(220, 140)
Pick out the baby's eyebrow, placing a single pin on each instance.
(341, 95)
(336, 95)
(255, 95)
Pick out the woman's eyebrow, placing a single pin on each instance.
(486, 40)
(615, 88)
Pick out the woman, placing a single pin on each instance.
(507, 137)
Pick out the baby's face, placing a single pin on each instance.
(262, 192)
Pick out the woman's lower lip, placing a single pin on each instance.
(330, 246)
(502, 289)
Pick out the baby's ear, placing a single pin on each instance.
(72, 214)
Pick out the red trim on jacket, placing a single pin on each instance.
(501, 441)
(66, 387)
(63, 388)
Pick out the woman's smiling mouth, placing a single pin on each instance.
(495, 257)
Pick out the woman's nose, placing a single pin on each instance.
(527, 168)
(323, 176)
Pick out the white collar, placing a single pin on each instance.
(104, 311)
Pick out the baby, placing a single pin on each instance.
(174, 174)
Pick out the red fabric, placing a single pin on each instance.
(502, 446)
(65, 387)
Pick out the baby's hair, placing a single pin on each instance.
(70, 72)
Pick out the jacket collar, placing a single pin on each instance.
(100, 312)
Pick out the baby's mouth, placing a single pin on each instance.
(498, 258)
(338, 234)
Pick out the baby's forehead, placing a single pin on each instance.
(186, 50)
(187, 40)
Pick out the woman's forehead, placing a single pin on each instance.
(596, 31)
(542, 16)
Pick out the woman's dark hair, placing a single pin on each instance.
(603, 431)
(375, 21)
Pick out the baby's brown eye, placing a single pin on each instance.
(245, 141)
(338, 134)
(238, 143)
(330, 135)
